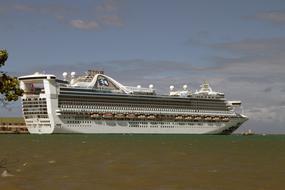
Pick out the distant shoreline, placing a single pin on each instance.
(13, 125)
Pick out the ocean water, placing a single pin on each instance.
(142, 162)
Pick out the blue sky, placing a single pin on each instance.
(236, 45)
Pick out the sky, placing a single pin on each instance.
(238, 46)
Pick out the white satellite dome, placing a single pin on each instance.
(72, 74)
(64, 74)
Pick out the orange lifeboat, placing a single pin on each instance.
(208, 118)
(198, 118)
(179, 117)
(226, 119)
(119, 115)
(95, 115)
(141, 116)
(189, 118)
(107, 115)
(131, 116)
(151, 117)
(216, 119)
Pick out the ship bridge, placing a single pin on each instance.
(34, 84)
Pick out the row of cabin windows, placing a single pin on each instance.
(34, 102)
(33, 99)
(139, 123)
(33, 116)
(76, 121)
(34, 112)
(35, 106)
(179, 109)
(134, 104)
(82, 102)
(144, 126)
(35, 109)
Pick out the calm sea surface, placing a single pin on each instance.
(142, 162)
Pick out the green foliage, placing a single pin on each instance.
(9, 85)
(3, 56)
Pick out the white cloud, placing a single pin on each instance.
(276, 17)
(267, 114)
(84, 24)
(48, 9)
(112, 20)
(266, 46)
(106, 13)
(107, 6)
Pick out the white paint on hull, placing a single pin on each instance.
(124, 127)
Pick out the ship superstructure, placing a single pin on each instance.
(96, 103)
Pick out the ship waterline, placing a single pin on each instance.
(96, 103)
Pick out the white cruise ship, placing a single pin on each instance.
(96, 103)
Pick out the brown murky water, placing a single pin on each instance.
(142, 162)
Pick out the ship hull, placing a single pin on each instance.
(143, 127)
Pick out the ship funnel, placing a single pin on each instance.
(171, 87)
(185, 87)
(139, 86)
(151, 86)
